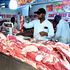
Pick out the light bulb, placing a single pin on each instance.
(13, 4)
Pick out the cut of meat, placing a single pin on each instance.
(29, 48)
(41, 66)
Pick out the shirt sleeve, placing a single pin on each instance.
(29, 25)
(58, 31)
(51, 30)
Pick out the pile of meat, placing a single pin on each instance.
(43, 55)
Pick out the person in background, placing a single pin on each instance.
(43, 29)
(62, 33)
(14, 22)
(15, 26)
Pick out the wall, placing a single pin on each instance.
(6, 13)
(51, 14)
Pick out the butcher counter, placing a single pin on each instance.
(10, 63)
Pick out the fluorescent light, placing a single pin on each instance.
(13, 4)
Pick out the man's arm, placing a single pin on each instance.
(58, 31)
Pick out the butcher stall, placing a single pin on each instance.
(16, 52)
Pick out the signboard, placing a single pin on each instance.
(23, 2)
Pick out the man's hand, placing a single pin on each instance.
(42, 33)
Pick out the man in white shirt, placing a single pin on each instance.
(62, 30)
(43, 29)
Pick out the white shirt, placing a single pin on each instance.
(38, 27)
(63, 32)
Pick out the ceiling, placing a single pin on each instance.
(4, 3)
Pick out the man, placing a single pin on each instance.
(43, 29)
(15, 25)
(62, 30)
